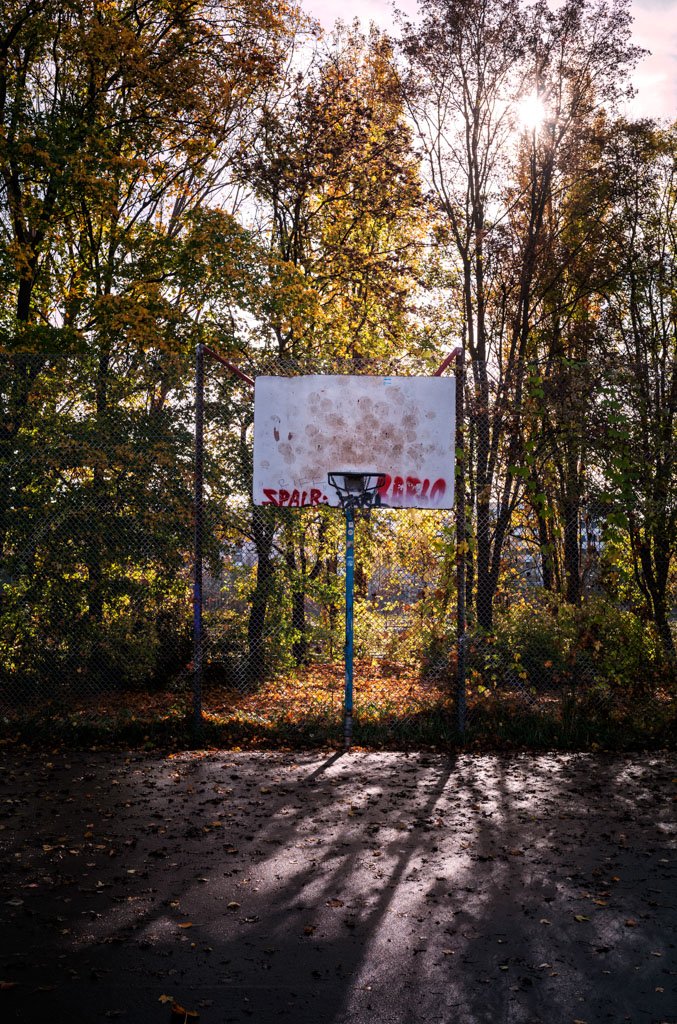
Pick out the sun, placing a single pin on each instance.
(530, 112)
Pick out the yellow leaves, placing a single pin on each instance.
(580, 918)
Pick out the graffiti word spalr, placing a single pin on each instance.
(294, 498)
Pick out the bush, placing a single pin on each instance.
(545, 643)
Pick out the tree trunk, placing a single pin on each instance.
(572, 558)
(255, 669)
(484, 586)
(545, 548)
(298, 621)
(655, 573)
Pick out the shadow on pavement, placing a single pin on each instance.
(381, 887)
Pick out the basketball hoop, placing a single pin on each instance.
(305, 425)
(357, 490)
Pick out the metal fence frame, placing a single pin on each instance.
(203, 351)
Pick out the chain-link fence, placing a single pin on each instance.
(96, 613)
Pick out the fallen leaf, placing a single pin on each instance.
(180, 1015)
(448, 952)
(186, 924)
(631, 923)
(233, 905)
(581, 917)
(544, 920)
(335, 903)
(166, 999)
(309, 929)
(4, 985)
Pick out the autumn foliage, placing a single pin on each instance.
(181, 173)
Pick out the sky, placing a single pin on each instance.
(655, 29)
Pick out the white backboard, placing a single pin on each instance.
(307, 427)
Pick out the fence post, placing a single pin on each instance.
(198, 516)
(460, 549)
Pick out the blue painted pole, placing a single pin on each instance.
(198, 515)
(350, 577)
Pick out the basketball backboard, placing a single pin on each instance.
(308, 427)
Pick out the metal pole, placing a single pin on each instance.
(198, 510)
(460, 549)
(350, 576)
(228, 365)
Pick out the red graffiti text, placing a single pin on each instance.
(295, 498)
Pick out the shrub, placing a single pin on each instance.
(546, 643)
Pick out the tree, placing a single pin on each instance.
(334, 171)
(469, 67)
(640, 396)
(339, 202)
(119, 125)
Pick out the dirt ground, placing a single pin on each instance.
(331, 888)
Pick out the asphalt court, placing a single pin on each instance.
(327, 888)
